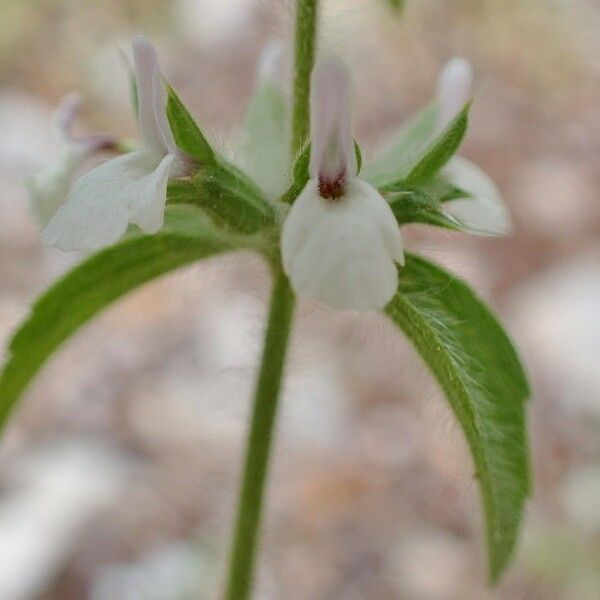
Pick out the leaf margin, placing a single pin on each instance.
(402, 314)
(181, 237)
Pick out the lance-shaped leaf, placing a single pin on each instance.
(414, 206)
(218, 187)
(439, 188)
(478, 369)
(188, 235)
(423, 203)
(404, 147)
(186, 132)
(441, 149)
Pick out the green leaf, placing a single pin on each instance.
(437, 188)
(439, 152)
(358, 157)
(182, 191)
(403, 149)
(188, 235)
(227, 194)
(300, 170)
(413, 206)
(219, 187)
(478, 369)
(187, 134)
(422, 203)
(264, 152)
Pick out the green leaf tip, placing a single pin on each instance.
(413, 206)
(422, 203)
(477, 367)
(188, 235)
(439, 152)
(402, 149)
(186, 132)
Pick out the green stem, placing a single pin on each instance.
(306, 30)
(259, 440)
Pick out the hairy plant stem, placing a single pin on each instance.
(306, 29)
(258, 446)
(243, 553)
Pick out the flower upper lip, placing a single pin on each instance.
(332, 146)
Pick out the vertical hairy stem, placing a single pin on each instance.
(306, 29)
(258, 446)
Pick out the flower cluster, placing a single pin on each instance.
(340, 238)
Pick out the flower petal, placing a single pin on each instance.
(332, 151)
(98, 208)
(152, 118)
(485, 212)
(342, 252)
(163, 128)
(307, 209)
(364, 197)
(453, 89)
(65, 115)
(49, 188)
(148, 197)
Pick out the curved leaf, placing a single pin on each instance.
(186, 132)
(441, 149)
(413, 206)
(227, 195)
(188, 235)
(478, 369)
(398, 155)
(422, 203)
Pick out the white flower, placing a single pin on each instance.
(340, 240)
(48, 189)
(130, 188)
(453, 90)
(483, 212)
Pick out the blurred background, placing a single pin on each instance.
(119, 471)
